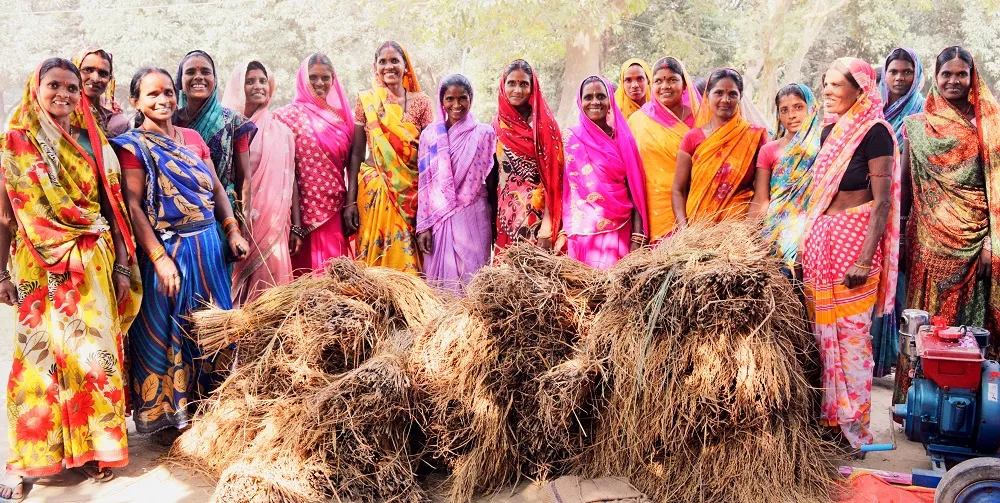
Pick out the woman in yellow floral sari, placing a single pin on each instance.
(76, 294)
(715, 164)
(382, 190)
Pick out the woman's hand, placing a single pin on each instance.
(352, 221)
(856, 276)
(122, 283)
(560, 245)
(985, 266)
(425, 242)
(8, 292)
(238, 245)
(294, 243)
(545, 243)
(169, 278)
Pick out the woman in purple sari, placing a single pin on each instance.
(604, 195)
(456, 194)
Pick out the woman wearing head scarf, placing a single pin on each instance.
(382, 191)
(658, 127)
(633, 86)
(784, 169)
(604, 200)
(850, 246)
(272, 185)
(454, 211)
(952, 155)
(97, 70)
(226, 132)
(716, 160)
(323, 126)
(530, 151)
(72, 280)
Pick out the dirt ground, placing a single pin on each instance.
(149, 480)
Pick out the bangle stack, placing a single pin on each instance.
(298, 231)
(120, 269)
(4, 275)
(640, 239)
(158, 253)
(230, 225)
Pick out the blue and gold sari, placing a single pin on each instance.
(169, 371)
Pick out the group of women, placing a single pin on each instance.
(209, 196)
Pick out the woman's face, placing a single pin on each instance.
(320, 80)
(518, 87)
(724, 99)
(157, 99)
(792, 110)
(256, 88)
(954, 79)
(59, 93)
(198, 78)
(899, 77)
(456, 102)
(635, 83)
(390, 66)
(595, 101)
(96, 73)
(839, 95)
(668, 87)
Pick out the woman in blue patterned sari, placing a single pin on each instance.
(171, 180)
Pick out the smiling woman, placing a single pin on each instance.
(97, 71)
(72, 279)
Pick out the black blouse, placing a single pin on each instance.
(876, 143)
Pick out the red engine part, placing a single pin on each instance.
(948, 358)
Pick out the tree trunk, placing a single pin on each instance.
(583, 58)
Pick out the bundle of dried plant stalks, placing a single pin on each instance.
(704, 351)
(320, 404)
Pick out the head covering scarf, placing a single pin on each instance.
(453, 165)
(52, 183)
(720, 164)
(107, 100)
(601, 173)
(627, 105)
(539, 140)
(942, 156)
(911, 102)
(784, 221)
(831, 164)
(332, 119)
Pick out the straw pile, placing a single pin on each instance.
(704, 346)
(320, 406)
(478, 369)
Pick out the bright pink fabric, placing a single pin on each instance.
(192, 140)
(604, 182)
(692, 139)
(769, 155)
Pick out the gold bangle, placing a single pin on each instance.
(157, 253)
(865, 267)
(228, 222)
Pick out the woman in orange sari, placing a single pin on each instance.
(715, 163)
(658, 128)
(382, 190)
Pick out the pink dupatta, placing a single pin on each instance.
(273, 176)
(831, 164)
(601, 173)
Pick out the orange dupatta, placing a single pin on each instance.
(718, 167)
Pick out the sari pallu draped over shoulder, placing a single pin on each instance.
(658, 134)
(272, 161)
(627, 105)
(955, 166)
(719, 165)
(453, 165)
(912, 102)
(791, 179)
(604, 182)
(65, 393)
(538, 141)
(842, 317)
(106, 111)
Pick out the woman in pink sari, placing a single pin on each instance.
(454, 209)
(322, 122)
(274, 205)
(604, 187)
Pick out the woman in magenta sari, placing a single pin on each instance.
(456, 176)
(322, 122)
(274, 208)
(604, 188)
